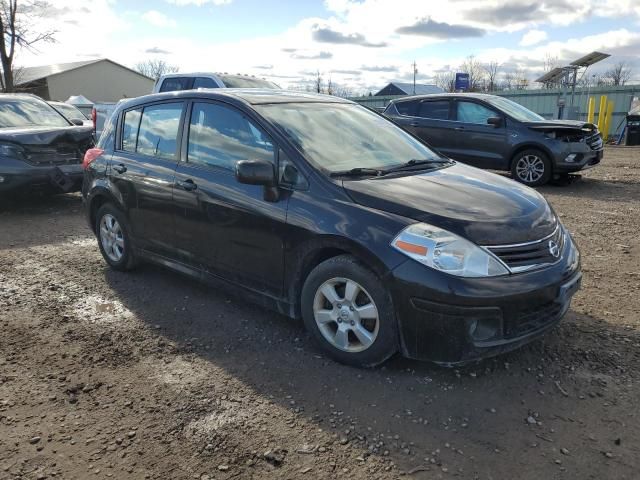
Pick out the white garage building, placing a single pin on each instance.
(100, 80)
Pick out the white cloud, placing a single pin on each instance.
(158, 19)
(198, 3)
(533, 37)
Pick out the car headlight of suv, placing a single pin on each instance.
(12, 150)
(447, 252)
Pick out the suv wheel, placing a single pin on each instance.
(349, 312)
(531, 167)
(112, 231)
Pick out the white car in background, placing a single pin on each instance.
(192, 81)
(71, 113)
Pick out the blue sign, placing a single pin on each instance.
(462, 81)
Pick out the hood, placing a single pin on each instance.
(46, 135)
(561, 125)
(486, 208)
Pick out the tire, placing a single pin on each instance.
(531, 167)
(358, 327)
(114, 239)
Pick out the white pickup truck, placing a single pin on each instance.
(183, 81)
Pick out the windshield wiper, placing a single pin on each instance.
(416, 163)
(358, 172)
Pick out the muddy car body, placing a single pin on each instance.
(39, 148)
(321, 209)
(493, 132)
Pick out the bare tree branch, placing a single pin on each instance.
(619, 74)
(155, 68)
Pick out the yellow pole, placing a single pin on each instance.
(602, 112)
(592, 108)
(607, 119)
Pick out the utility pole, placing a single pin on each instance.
(415, 71)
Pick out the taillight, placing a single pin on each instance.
(90, 155)
(94, 115)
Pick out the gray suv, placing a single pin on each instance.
(493, 132)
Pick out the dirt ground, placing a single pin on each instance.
(152, 375)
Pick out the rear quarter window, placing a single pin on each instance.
(407, 109)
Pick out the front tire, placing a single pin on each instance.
(114, 239)
(531, 167)
(349, 312)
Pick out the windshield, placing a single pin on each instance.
(514, 109)
(29, 112)
(339, 137)
(239, 81)
(69, 111)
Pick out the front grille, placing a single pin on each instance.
(60, 154)
(531, 319)
(526, 256)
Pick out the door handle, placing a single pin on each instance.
(188, 185)
(414, 124)
(459, 129)
(120, 168)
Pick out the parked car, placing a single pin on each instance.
(39, 147)
(493, 132)
(322, 209)
(71, 113)
(191, 81)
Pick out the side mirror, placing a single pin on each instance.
(76, 121)
(256, 172)
(495, 121)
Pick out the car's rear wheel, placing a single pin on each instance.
(349, 312)
(114, 240)
(531, 167)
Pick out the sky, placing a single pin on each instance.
(359, 44)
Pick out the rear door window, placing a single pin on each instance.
(471, 112)
(173, 84)
(204, 82)
(219, 136)
(434, 109)
(153, 131)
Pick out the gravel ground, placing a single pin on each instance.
(151, 375)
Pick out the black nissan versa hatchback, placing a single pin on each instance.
(321, 209)
(493, 132)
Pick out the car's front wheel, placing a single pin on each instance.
(531, 167)
(114, 240)
(349, 312)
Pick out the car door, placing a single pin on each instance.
(434, 124)
(142, 169)
(222, 226)
(476, 142)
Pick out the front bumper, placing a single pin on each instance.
(451, 320)
(19, 176)
(583, 159)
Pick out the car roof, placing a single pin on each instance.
(251, 96)
(479, 96)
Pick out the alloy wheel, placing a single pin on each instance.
(530, 168)
(112, 237)
(346, 315)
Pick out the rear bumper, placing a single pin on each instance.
(451, 320)
(17, 176)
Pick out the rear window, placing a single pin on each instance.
(437, 110)
(29, 112)
(175, 83)
(239, 81)
(204, 82)
(406, 108)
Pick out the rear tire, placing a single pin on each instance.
(114, 239)
(349, 312)
(531, 167)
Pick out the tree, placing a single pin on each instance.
(155, 68)
(16, 30)
(491, 69)
(330, 86)
(476, 73)
(619, 74)
(446, 80)
(318, 82)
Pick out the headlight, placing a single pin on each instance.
(447, 252)
(11, 150)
